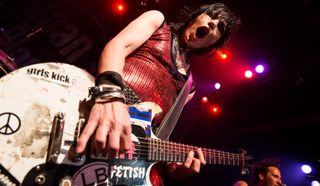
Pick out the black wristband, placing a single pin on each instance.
(110, 78)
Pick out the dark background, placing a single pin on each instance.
(274, 115)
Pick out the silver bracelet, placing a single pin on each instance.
(110, 97)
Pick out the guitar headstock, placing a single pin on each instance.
(246, 163)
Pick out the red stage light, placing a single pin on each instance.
(215, 109)
(248, 74)
(223, 55)
(119, 7)
(204, 99)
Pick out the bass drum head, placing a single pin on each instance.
(30, 97)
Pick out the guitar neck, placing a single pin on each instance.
(159, 150)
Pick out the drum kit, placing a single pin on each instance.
(43, 108)
(38, 121)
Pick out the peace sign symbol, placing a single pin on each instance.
(9, 123)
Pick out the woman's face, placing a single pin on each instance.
(201, 32)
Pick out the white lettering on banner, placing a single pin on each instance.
(63, 34)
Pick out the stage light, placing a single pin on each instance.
(248, 74)
(119, 7)
(215, 109)
(306, 169)
(217, 86)
(259, 68)
(223, 55)
(315, 183)
(204, 99)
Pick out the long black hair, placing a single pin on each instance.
(229, 22)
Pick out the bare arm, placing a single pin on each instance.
(128, 40)
(110, 121)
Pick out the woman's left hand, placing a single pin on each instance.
(191, 166)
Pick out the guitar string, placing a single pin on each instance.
(182, 157)
(174, 158)
(234, 159)
(145, 142)
(183, 148)
(178, 157)
(227, 160)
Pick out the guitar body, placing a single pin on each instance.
(32, 99)
(108, 172)
(127, 169)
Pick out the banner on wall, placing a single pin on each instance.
(48, 31)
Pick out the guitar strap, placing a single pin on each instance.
(170, 120)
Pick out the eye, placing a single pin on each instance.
(221, 27)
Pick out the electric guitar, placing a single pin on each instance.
(43, 108)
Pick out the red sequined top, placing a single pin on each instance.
(149, 71)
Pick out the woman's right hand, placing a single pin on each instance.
(110, 122)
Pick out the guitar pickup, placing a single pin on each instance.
(56, 138)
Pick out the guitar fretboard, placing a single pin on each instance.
(159, 150)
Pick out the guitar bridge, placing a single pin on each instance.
(56, 138)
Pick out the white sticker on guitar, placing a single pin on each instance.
(51, 76)
(97, 173)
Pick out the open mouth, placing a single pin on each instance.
(201, 32)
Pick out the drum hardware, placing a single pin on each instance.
(7, 68)
(4, 40)
(7, 64)
(34, 32)
(3, 69)
(56, 137)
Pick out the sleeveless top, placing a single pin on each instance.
(151, 71)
